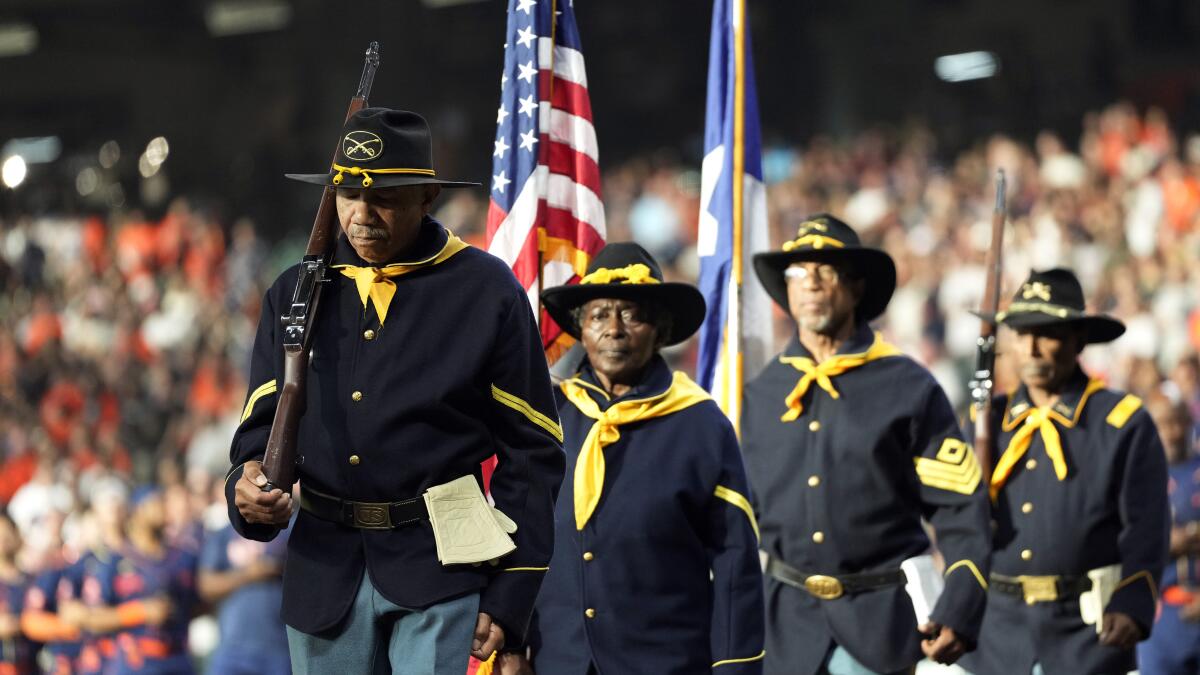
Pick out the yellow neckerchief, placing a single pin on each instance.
(589, 466)
(822, 372)
(1040, 419)
(376, 282)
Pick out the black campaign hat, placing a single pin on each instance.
(625, 270)
(1056, 297)
(823, 238)
(381, 147)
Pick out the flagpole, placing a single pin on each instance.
(542, 153)
(733, 339)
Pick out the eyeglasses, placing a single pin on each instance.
(825, 273)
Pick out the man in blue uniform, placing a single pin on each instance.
(655, 567)
(1174, 646)
(54, 584)
(848, 445)
(242, 578)
(16, 652)
(144, 596)
(426, 361)
(1080, 500)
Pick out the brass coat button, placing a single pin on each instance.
(814, 426)
(356, 396)
(1026, 555)
(814, 481)
(589, 613)
(818, 537)
(368, 334)
(1027, 507)
(1031, 464)
(354, 460)
(588, 556)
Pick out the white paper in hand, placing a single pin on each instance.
(466, 528)
(1093, 602)
(924, 585)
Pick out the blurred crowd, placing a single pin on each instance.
(124, 339)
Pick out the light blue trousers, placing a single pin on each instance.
(380, 636)
(842, 663)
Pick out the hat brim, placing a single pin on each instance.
(1097, 328)
(382, 181)
(683, 301)
(876, 267)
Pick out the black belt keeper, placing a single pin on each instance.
(1065, 587)
(831, 586)
(363, 515)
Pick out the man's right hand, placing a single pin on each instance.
(258, 507)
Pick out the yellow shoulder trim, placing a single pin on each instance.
(1122, 411)
(266, 389)
(954, 468)
(1140, 575)
(739, 500)
(971, 566)
(748, 659)
(525, 569)
(551, 426)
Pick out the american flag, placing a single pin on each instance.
(545, 208)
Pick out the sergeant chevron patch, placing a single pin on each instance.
(954, 468)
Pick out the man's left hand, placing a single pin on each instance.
(941, 644)
(489, 637)
(1119, 630)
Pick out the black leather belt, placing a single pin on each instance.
(829, 587)
(363, 515)
(1045, 588)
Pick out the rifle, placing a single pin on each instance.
(279, 462)
(985, 357)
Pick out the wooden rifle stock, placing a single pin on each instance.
(279, 461)
(985, 362)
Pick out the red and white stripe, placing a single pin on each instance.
(562, 196)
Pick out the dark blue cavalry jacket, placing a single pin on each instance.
(843, 489)
(455, 374)
(1112, 508)
(668, 569)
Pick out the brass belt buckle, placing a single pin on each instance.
(1039, 589)
(823, 587)
(372, 516)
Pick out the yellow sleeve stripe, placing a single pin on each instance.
(961, 478)
(1140, 575)
(525, 569)
(745, 660)
(1123, 410)
(265, 390)
(550, 425)
(971, 566)
(737, 499)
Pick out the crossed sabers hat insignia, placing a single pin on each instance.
(1036, 289)
(354, 148)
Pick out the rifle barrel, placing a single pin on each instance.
(279, 459)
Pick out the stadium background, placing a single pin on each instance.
(131, 268)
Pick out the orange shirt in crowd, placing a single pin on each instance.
(136, 246)
(1181, 202)
(95, 244)
(212, 390)
(43, 327)
(15, 472)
